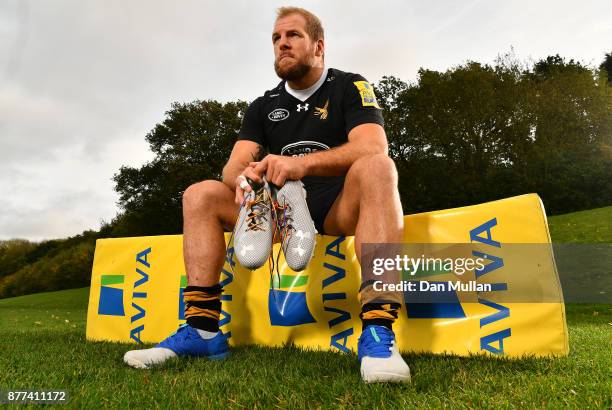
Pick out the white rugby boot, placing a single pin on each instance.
(297, 230)
(254, 228)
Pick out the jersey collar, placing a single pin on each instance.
(305, 94)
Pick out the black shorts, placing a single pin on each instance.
(321, 192)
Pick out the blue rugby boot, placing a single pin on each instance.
(380, 359)
(186, 341)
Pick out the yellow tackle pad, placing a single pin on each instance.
(137, 285)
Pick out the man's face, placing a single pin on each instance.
(294, 51)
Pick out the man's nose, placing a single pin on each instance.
(283, 43)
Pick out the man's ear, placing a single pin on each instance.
(320, 48)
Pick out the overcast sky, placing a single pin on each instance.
(82, 82)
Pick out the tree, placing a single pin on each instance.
(27, 267)
(477, 132)
(451, 133)
(192, 144)
(568, 165)
(607, 65)
(14, 255)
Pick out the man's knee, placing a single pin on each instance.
(203, 195)
(377, 168)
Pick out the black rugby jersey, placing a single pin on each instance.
(285, 125)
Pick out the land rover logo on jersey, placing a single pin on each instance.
(278, 114)
(303, 148)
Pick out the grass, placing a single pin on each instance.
(42, 344)
(584, 264)
(593, 226)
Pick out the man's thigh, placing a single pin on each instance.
(369, 177)
(344, 213)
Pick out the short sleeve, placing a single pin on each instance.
(252, 124)
(359, 104)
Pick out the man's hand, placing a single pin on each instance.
(278, 168)
(242, 184)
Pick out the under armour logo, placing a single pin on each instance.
(302, 107)
(299, 250)
(246, 248)
(302, 235)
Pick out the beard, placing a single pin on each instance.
(293, 72)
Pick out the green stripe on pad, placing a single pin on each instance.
(184, 281)
(289, 281)
(111, 279)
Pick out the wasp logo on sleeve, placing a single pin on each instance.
(368, 98)
(322, 112)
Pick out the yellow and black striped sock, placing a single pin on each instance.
(203, 307)
(381, 314)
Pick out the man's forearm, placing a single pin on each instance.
(231, 172)
(237, 163)
(337, 161)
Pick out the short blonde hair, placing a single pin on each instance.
(314, 28)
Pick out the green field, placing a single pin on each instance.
(42, 340)
(593, 226)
